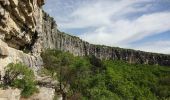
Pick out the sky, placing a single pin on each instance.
(135, 24)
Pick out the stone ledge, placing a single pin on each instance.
(10, 94)
(3, 51)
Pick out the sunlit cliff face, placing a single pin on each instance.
(19, 21)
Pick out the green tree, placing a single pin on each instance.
(90, 78)
(20, 76)
(59, 62)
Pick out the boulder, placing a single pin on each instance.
(44, 94)
(10, 94)
(3, 51)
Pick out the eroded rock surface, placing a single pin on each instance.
(12, 55)
(10, 94)
(19, 22)
(53, 38)
(20, 30)
(25, 27)
(26, 30)
(44, 94)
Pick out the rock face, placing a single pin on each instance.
(20, 27)
(44, 94)
(53, 38)
(26, 30)
(20, 21)
(11, 55)
(10, 94)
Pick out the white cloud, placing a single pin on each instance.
(157, 46)
(123, 32)
(111, 23)
(100, 13)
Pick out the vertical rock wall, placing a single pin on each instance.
(53, 38)
(20, 32)
(25, 30)
(19, 21)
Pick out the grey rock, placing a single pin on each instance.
(3, 51)
(54, 39)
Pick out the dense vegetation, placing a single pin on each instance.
(89, 78)
(22, 77)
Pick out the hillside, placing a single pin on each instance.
(89, 78)
(26, 31)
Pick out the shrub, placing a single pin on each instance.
(90, 78)
(22, 77)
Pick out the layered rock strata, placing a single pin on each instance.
(26, 30)
(20, 22)
(11, 55)
(53, 38)
(20, 30)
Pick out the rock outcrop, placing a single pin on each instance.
(10, 94)
(15, 94)
(26, 30)
(53, 38)
(11, 55)
(20, 20)
(44, 94)
(20, 27)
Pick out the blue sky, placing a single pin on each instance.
(136, 24)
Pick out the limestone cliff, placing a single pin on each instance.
(53, 38)
(20, 22)
(25, 30)
(20, 26)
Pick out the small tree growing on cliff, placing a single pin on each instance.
(59, 62)
(20, 76)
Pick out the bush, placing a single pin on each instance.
(22, 77)
(90, 78)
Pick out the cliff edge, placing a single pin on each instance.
(53, 38)
(26, 30)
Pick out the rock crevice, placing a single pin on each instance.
(19, 21)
